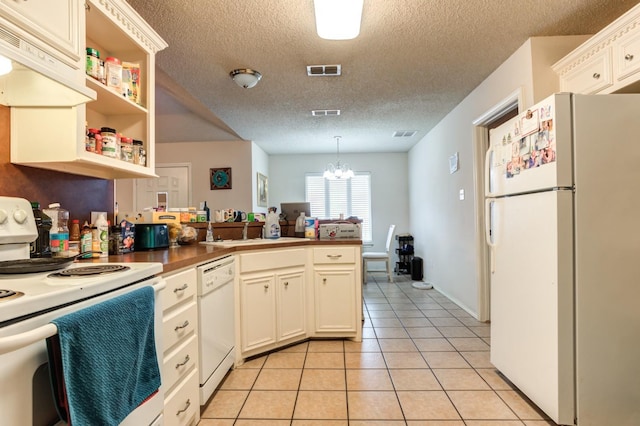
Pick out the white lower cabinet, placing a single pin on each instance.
(272, 299)
(180, 349)
(337, 291)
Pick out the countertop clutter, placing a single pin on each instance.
(173, 259)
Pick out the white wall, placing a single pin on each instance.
(389, 198)
(444, 226)
(259, 164)
(206, 155)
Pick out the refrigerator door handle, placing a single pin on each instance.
(489, 235)
(487, 171)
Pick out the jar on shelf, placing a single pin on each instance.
(141, 152)
(93, 62)
(126, 149)
(91, 139)
(109, 142)
(136, 145)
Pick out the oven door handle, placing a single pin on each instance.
(21, 340)
(13, 343)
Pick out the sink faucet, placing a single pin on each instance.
(244, 230)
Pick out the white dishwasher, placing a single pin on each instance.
(216, 323)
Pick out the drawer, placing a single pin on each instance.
(272, 259)
(331, 255)
(182, 405)
(180, 286)
(591, 76)
(627, 55)
(179, 324)
(179, 362)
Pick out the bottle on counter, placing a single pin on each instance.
(95, 242)
(59, 233)
(209, 237)
(102, 227)
(272, 224)
(85, 240)
(207, 211)
(40, 246)
(300, 224)
(116, 241)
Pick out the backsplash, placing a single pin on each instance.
(78, 194)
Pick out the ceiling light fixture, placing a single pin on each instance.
(245, 77)
(5, 65)
(338, 19)
(338, 171)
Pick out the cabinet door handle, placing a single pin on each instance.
(186, 407)
(266, 286)
(324, 281)
(596, 75)
(186, 360)
(183, 288)
(184, 325)
(286, 283)
(334, 256)
(628, 57)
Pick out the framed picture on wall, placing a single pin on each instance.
(220, 178)
(263, 192)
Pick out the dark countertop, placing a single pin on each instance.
(192, 254)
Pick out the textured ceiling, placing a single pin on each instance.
(412, 63)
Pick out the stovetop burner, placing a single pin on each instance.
(84, 271)
(9, 294)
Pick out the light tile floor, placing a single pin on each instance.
(422, 361)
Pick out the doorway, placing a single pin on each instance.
(172, 187)
(500, 113)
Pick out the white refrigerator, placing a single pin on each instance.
(563, 228)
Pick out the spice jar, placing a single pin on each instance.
(126, 149)
(93, 62)
(109, 142)
(136, 145)
(91, 139)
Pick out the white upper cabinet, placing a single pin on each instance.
(55, 22)
(116, 30)
(606, 63)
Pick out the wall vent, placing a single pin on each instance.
(404, 133)
(324, 112)
(324, 70)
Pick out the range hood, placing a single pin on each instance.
(38, 78)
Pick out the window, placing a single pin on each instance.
(351, 197)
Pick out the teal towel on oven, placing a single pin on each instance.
(109, 362)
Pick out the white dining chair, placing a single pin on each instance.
(379, 257)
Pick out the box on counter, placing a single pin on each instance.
(128, 236)
(340, 231)
(150, 217)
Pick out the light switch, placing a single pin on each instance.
(462, 194)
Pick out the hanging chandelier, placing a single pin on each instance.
(338, 171)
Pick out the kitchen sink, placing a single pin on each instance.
(252, 241)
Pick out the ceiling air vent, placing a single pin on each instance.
(404, 133)
(324, 112)
(324, 70)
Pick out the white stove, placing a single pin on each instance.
(44, 291)
(30, 301)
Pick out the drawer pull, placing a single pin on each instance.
(334, 256)
(596, 75)
(184, 325)
(628, 57)
(183, 363)
(183, 288)
(186, 407)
